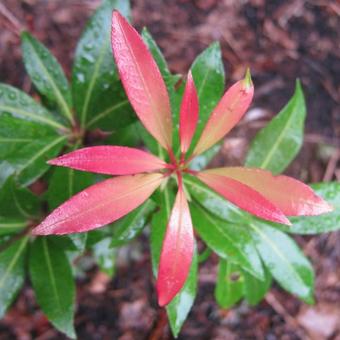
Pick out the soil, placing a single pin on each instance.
(280, 41)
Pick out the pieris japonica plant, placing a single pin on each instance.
(241, 214)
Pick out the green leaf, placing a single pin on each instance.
(130, 226)
(46, 74)
(29, 162)
(18, 202)
(277, 144)
(53, 284)
(229, 241)
(169, 79)
(99, 98)
(284, 260)
(16, 133)
(255, 289)
(213, 202)
(12, 273)
(229, 284)
(11, 225)
(127, 136)
(159, 223)
(179, 308)
(18, 104)
(105, 256)
(323, 223)
(201, 161)
(65, 183)
(208, 73)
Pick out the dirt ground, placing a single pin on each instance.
(280, 41)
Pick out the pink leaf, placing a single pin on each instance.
(244, 197)
(142, 80)
(227, 114)
(177, 251)
(291, 196)
(99, 204)
(188, 114)
(110, 160)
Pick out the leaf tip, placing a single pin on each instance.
(247, 81)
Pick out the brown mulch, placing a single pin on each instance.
(279, 40)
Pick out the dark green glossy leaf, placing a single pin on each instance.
(130, 226)
(231, 242)
(284, 260)
(159, 223)
(208, 73)
(16, 133)
(213, 202)
(179, 308)
(323, 223)
(46, 74)
(229, 284)
(18, 202)
(127, 136)
(105, 256)
(99, 98)
(12, 273)
(29, 161)
(277, 144)
(18, 104)
(255, 289)
(53, 284)
(169, 79)
(11, 225)
(65, 183)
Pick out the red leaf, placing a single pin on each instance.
(227, 114)
(188, 114)
(142, 80)
(110, 160)
(99, 204)
(177, 251)
(244, 197)
(291, 196)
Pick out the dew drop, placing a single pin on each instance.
(81, 77)
(89, 57)
(88, 46)
(12, 96)
(106, 86)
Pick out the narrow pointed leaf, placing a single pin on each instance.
(110, 160)
(179, 308)
(229, 241)
(142, 80)
(291, 196)
(325, 223)
(30, 161)
(229, 284)
(99, 98)
(131, 225)
(255, 289)
(244, 197)
(12, 273)
(226, 114)
(284, 260)
(188, 114)
(177, 251)
(208, 73)
(46, 74)
(18, 104)
(18, 202)
(11, 225)
(53, 284)
(277, 144)
(100, 204)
